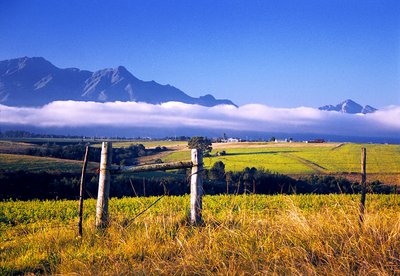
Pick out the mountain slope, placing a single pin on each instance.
(35, 82)
(349, 106)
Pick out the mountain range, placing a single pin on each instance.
(35, 82)
(349, 106)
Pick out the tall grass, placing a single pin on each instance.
(314, 235)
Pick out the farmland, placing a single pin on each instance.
(254, 234)
(294, 159)
(285, 158)
(300, 158)
(304, 158)
(28, 163)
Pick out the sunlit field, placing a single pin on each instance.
(301, 158)
(257, 234)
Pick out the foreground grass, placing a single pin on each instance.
(316, 235)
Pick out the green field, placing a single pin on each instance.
(255, 234)
(304, 158)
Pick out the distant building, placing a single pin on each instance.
(282, 141)
(233, 140)
(230, 140)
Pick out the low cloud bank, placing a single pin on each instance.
(251, 117)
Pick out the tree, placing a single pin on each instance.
(199, 142)
(248, 178)
(228, 178)
(217, 172)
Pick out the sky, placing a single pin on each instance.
(276, 53)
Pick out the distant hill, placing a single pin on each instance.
(349, 106)
(35, 82)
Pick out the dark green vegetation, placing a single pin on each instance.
(198, 142)
(43, 185)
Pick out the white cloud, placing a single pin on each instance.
(251, 117)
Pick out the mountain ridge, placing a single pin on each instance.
(349, 106)
(34, 81)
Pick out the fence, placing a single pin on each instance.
(196, 184)
(106, 170)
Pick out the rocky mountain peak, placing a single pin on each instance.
(349, 106)
(35, 81)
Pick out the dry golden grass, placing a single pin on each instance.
(255, 235)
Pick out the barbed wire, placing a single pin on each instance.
(130, 221)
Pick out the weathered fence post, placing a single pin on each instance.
(363, 183)
(104, 185)
(81, 189)
(196, 187)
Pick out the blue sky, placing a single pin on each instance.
(278, 53)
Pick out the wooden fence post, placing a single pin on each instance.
(81, 189)
(363, 183)
(196, 187)
(104, 185)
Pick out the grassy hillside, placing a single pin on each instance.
(15, 147)
(16, 162)
(95, 143)
(59, 141)
(147, 144)
(242, 234)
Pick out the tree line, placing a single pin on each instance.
(25, 185)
